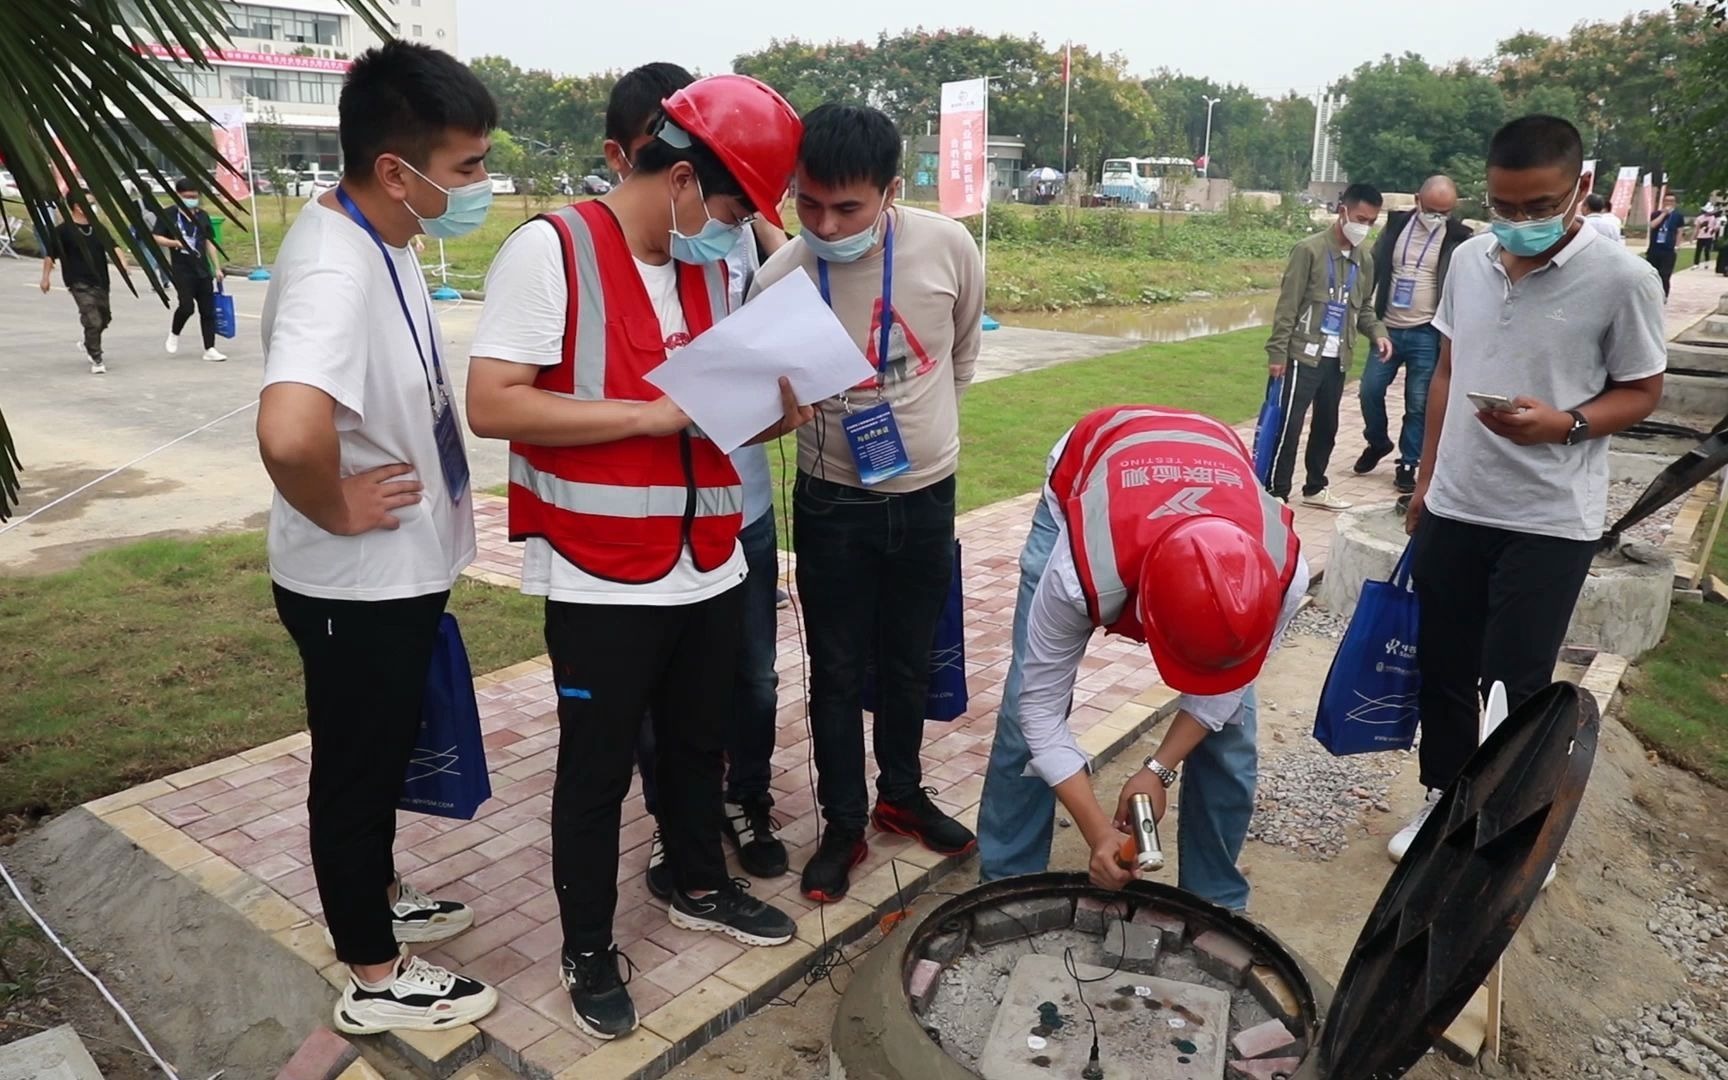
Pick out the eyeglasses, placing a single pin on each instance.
(1499, 211)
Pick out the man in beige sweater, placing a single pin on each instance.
(873, 512)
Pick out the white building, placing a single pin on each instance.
(1324, 167)
(285, 66)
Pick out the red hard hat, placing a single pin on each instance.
(1208, 603)
(750, 128)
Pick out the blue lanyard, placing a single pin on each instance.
(1409, 235)
(887, 293)
(189, 236)
(436, 370)
(1332, 278)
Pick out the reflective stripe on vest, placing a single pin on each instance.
(607, 500)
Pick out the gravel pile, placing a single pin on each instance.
(1316, 621)
(1653, 529)
(1686, 1036)
(1309, 801)
(1694, 932)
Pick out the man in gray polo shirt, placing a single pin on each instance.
(1512, 496)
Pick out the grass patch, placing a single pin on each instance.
(161, 655)
(1677, 696)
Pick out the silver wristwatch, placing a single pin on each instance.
(1166, 776)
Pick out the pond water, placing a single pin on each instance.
(1154, 322)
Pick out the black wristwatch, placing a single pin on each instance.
(1580, 428)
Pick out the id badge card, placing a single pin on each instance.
(876, 444)
(1332, 323)
(1403, 292)
(452, 459)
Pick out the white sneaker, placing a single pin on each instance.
(417, 917)
(1403, 838)
(212, 354)
(173, 343)
(422, 997)
(1325, 500)
(97, 367)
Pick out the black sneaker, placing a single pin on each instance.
(1405, 479)
(732, 911)
(660, 879)
(601, 1005)
(924, 822)
(1370, 458)
(750, 827)
(828, 874)
(782, 599)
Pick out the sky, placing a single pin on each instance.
(1267, 45)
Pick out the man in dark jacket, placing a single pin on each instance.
(1410, 264)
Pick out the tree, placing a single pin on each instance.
(1405, 120)
(77, 99)
(268, 142)
(1694, 129)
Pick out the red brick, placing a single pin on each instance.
(559, 1050)
(921, 987)
(541, 942)
(487, 936)
(531, 983)
(510, 867)
(1262, 1039)
(1224, 956)
(496, 966)
(458, 839)
(322, 1056)
(445, 871)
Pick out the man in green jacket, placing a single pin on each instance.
(1325, 301)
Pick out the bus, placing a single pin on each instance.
(1139, 182)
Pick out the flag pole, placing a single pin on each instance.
(1067, 84)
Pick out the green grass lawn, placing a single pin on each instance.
(164, 654)
(1677, 696)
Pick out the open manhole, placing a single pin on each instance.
(1015, 979)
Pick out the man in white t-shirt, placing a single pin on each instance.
(373, 518)
(1602, 219)
(630, 517)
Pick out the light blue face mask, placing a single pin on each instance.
(464, 209)
(1529, 238)
(847, 248)
(712, 243)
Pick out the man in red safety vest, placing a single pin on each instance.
(1151, 526)
(630, 517)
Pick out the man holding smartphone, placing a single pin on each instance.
(1551, 340)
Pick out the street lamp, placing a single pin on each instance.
(1206, 154)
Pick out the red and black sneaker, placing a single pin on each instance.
(828, 874)
(924, 821)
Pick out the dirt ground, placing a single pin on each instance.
(1582, 958)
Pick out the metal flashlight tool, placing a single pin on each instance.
(1142, 849)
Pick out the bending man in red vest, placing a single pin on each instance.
(630, 517)
(1153, 527)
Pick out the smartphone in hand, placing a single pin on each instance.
(1491, 402)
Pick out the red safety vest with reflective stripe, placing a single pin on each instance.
(1129, 473)
(623, 510)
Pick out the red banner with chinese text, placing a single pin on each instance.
(962, 184)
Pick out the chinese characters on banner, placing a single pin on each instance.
(961, 187)
(1621, 201)
(229, 135)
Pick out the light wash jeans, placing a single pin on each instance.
(1417, 350)
(1016, 818)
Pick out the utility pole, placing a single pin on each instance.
(1206, 154)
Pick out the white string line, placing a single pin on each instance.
(4, 529)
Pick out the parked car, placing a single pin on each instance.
(314, 182)
(595, 185)
(503, 184)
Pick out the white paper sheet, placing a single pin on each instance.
(728, 379)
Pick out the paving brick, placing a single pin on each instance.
(360, 1070)
(515, 1024)
(1223, 956)
(1021, 918)
(497, 965)
(1265, 1069)
(487, 936)
(1174, 929)
(1274, 993)
(1262, 1040)
(543, 942)
(322, 1056)
(1093, 914)
(922, 983)
(1132, 947)
(697, 1015)
(439, 1052)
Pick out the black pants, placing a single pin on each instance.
(612, 663)
(1663, 261)
(874, 572)
(1495, 605)
(200, 289)
(1722, 256)
(94, 314)
(1320, 386)
(365, 665)
(1702, 258)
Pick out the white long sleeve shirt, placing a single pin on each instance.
(1057, 630)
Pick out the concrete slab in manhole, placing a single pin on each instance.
(1147, 1026)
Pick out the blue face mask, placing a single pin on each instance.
(464, 208)
(712, 243)
(847, 248)
(1530, 238)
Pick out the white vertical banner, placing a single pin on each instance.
(963, 185)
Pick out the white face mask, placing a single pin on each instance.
(1356, 232)
(1431, 218)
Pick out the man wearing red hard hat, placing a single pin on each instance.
(631, 517)
(1151, 526)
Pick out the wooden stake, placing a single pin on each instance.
(1491, 1033)
(1710, 537)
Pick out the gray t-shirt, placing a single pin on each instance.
(1559, 335)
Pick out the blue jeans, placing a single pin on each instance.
(1016, 816)
(1418, 350)
(750, 743)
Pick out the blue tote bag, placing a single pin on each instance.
(226, 324)
(1267, 430)
(447, 771)
(1369, 702)
(947, 698)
